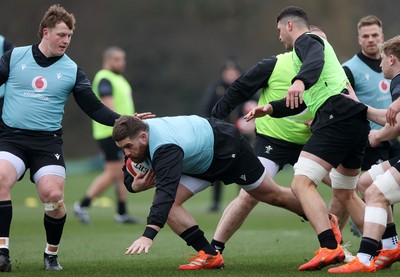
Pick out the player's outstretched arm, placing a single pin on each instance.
(376, 115)
(259, 111)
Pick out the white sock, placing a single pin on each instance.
(390, 243)
(364, 258)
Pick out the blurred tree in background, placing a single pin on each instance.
(176, 47)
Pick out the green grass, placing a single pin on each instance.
(272, 242)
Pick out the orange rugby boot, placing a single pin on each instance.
(204, 261)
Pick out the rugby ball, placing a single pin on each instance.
(136, 168)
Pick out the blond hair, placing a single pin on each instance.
(392, 47)
(54, 15)
(368, 21)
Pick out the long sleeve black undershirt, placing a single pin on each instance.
(310, 50)
(244, 87)
(167, 165)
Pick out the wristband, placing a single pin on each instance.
(150, 233)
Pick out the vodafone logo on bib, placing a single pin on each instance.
(39, 84)
(384, 86)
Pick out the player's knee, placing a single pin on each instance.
(341, 181)
(52, 195)
(6, 183)
(301, 183)
(53, 206)
(368, 177)
(385, 189)
(344, 195)
(309, 168)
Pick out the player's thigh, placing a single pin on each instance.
(339, 143)
(189, 186)
(278, 151)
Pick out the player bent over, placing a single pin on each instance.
(205, 149)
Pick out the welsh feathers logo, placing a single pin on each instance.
(384, 86)
(39, 84)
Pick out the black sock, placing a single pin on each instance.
(369, 246)
(86, 202)
(121, 207)
(327, 239)
(390, 231)
(220, 246)
(6, 216)
(54, 229)
(195, 238)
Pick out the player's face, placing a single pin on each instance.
(56, 40)
(134, 148)
(370, 37)
(230, 75)
(118, 62)
(284, 36)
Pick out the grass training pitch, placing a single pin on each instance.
(272, 242)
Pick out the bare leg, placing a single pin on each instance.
(105, 179)
(269, 192)
(179, 219)
(349, 198)
(374, 198)
(184, 225)
(313, 205)
(234, 215)
(335, 207)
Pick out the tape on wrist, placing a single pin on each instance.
(150, 233)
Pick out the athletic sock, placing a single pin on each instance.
(390, 240)
(6, 216)
(195, 238)
(54, 229)
(121, 207)
(220, 246)
(327, 239)
(86, 201)
(368, 250)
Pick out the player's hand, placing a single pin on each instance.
(139, 245)
(145, 115)
(258, 112)
(372, 138)
(294, 96)
(351, 93)
(144, 181)
(392, 112)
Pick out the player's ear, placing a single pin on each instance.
(143, 136)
